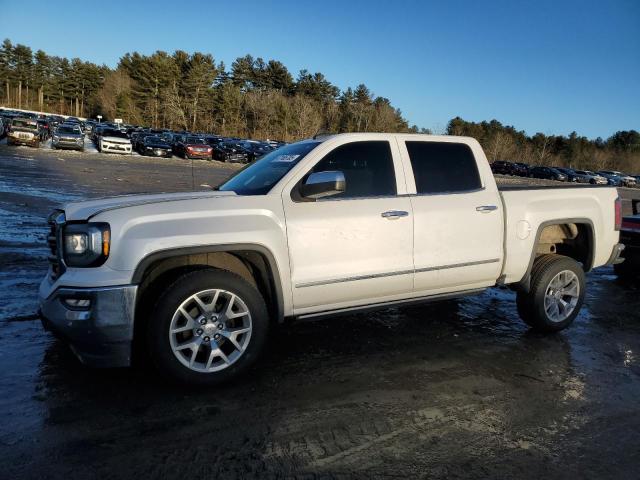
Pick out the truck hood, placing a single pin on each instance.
(90, 208)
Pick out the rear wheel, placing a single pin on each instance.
(208, 327)
(555, 296)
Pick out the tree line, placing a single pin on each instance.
(253, 98)
(261, 99)
(621, 151)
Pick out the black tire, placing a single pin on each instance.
(531, 304)
(181, 289)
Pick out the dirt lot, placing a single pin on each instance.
(455, 390)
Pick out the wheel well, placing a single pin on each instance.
(572, 239)
(251, 265)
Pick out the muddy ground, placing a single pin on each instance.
(455, 390)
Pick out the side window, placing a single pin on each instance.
(442, 167)
(367, 167)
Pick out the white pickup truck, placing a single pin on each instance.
(323, 226)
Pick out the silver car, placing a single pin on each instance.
(618, 179)
(592, 177)
(69, 136)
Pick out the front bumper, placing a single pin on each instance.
(68, 145)
(100, 335)
(158, 152)
(195, 154)
(17, 140)
(116, 147)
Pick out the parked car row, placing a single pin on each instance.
(563, 174)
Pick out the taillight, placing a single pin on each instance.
(618, 214)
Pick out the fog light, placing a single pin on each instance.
(78, 302)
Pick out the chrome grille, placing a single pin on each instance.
(56, 221)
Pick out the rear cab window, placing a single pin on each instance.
(443, 167)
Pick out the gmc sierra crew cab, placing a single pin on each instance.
(323, 226)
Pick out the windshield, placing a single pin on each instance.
(68, 130)
(25, 124)
(195, 140)
(114, 133)
(259, 177)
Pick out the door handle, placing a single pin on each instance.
(486, 208)
(394, 214)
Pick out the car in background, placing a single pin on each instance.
(593, 178)
(520, 169)
(176, 139)
(97, 133)
(193, 147)
(24, 131)
(229, 152)
(155, 146)
(630, 237)
(573, 175)
(137, 139)
(255, 149)
(89, 125)
(45, 129)
(68, 136)
(501, 167)
(167, 137)
(114, 141)
(276, 143)
(618, 179)
(548, 173)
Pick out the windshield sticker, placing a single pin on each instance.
(284, 158)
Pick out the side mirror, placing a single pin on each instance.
(323, 184)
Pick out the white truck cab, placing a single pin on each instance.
(323, 226)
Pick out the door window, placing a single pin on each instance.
(367, 167)
(443, 167)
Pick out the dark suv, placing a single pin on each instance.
(547, 173)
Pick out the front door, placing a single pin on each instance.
(354, 248)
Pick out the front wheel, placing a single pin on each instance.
(555, 295)
(208, 327)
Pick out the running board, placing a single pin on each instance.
(394, 303)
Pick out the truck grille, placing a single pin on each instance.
(56, 221)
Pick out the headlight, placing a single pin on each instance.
(56, 138)
(86, 244)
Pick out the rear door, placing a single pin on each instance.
(354, 248)
(458, 218)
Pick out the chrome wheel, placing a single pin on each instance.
(561, 296)
(210, 330)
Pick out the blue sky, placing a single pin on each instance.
(542, 66)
